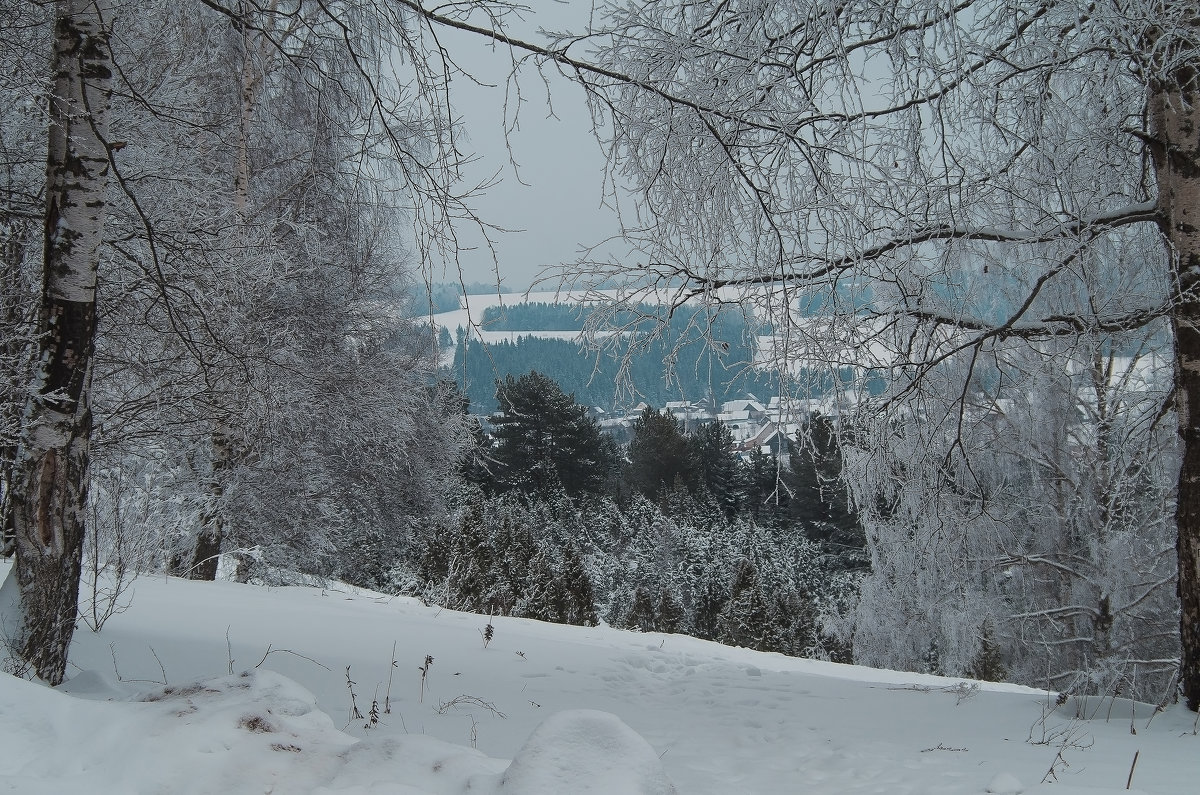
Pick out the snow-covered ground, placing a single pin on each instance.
(153, 707)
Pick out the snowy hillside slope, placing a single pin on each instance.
(152, 707)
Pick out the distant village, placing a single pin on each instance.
(758, 424)
(754, 424)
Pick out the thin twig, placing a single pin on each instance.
(271, 651)
(161, 667)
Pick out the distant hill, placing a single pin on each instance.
(448, 297)
(718, 365)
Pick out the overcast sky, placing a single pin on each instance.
(558, 208)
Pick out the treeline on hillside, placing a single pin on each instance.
(717, 366)
(643, 318)
(535, 316)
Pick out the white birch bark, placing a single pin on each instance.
(52, 465)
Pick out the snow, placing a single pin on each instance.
(220, 687)
(1005, 784)
(473, 306)
(589, 752)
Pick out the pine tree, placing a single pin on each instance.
(545, 441)
(641, 612)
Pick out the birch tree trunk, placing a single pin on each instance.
(1175, 119)
(52, 465)
(215, 528)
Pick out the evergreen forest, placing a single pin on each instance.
(673, 533)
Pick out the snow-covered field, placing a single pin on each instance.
(473, 306)
(470, 315)
(154, 708)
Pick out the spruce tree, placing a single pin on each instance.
(819, 498)
(543, 598)
(792, 627)
(659, 456)
(515, 549)
(436, 547)
(745, 620)
(469, 587)
(988, 663)
(931, 663)
(765, 493)
(717, 469)
(470, 561)
(579, 597)
(641, 612)
(669, 617)
(710, 603)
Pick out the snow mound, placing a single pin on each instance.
(261, 732)
(241, 733)
(585, 751)
(1005, 784)
(236, 733)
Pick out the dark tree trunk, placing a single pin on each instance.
(213, 530)
(14, 353)
(206, 556)
(51, 471)
(1175, 118)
